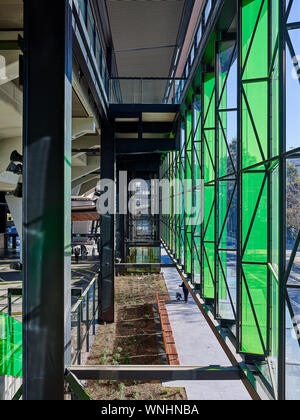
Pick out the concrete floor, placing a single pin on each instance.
(197, 345)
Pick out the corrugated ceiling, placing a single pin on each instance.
(144, 34)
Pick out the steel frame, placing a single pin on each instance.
(271, 164)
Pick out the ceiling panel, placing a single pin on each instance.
(144, 34)
(11, 14)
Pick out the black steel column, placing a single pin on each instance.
(47, 197)
(3, 213)
(107, 231)
(282, 207)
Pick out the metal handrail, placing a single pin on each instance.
(90, 323)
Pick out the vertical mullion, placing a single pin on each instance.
(239, 178)
(202, 176)
(217, 186)
(282, 206)
(269, 152)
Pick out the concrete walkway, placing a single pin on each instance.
(197, 345)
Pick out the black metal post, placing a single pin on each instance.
(87, 323)
(79, 319)
(107, 229)
(239, 185)
(94, 309)
(3, 213)
(47, 197)
(282, 207)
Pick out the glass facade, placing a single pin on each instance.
(96, 47)
(244, 256)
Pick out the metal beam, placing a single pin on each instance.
(130, 146)
(146, 244)
(47, 198)
(162, 373)
(118, 111)
(144, 265)
(9, 45)
(148, 127)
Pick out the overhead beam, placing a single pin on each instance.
(147, 127)
(131, 146)
(132, 110)
(144, 265)
(9, 45)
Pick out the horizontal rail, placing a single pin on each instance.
(141, 244)
(80, 301)
(150, 373)
(148, 78)
(144, 265)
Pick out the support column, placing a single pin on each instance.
(282, 359)
(47, 197)
(107, 231)
(3, 213)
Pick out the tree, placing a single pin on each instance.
(293, 200)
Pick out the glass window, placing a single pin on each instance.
(91, 26)
(192, 55)
(294, 14)
(82, 6)
(199, 34)
(207, 10)
(293, 90)
(98, 53)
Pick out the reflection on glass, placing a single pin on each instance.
(293, 91)
(227, 285)
(293, 213)
(294, 15)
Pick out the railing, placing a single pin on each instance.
(147, 90)
(83, 316)
(83, 319)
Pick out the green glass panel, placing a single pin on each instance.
(209, 155)
(208, 105)
(256, 248)
(254, 49)
(208, 264)
(10, 346)
(209, 175)
(275, 219)
(209, 213)
(255, 130)
(255, 276)
(274, 24)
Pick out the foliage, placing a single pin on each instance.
(293, 200)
